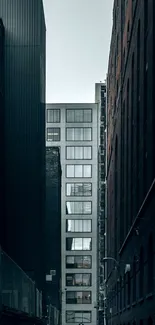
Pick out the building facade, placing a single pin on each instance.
(24, 87)
(100, 98)
(74, 128)
(131, 164)
(53, 235)
(2, 145)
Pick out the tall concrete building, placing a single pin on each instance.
(74, 128)
(131, 164)
(24, 88)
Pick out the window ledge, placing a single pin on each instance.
(149, 296)
(134, 304)
(140, 300)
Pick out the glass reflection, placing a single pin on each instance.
(78, 171)
(78, 207)
(87, 170)
(78, 317)
(79, 134)
(70, 170)
(78, 189)
(78, 262)
(78, 225)
(75, 244)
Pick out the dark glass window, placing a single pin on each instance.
(53, 116)
(79, 152)
(78, 225)
(78, 279)
(53, 134)
(78, 297)
(78, 317)
(79, 134)
(79, 262)
(78, 244)
(78, 189)
(79, 116)
(79, 171)
(78, 207)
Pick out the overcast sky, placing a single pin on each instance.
(78, 40)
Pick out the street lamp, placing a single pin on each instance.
(126, 269)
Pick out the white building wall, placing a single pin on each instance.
(94, 180)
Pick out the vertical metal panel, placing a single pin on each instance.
(24, 130)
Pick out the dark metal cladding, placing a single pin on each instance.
(24, 132)
(2, 121)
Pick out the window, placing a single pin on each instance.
(53, 115)
(78, 262)
(78, 225)
(78, 279)
(78, 297)
(79, 134)
(78, 244)
(78, 317)
(53, 134)
(79, 171)
(79, 116)
(78, 189)
(78, 152)
(78, 207)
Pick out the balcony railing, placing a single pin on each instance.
(18, 292)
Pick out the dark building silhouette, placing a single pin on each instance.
(24, 70)
(53, 230)
(131, 164)
(2, 164)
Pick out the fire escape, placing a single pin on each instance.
(102, 188)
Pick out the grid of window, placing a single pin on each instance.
(78, 297)
(78, 317)
(79, 152)
(78, 244)
(78, 225)
(78, 279)
(53, 115)
(79, 262)
(79, 134)
(78, 115)
(53, 134)
(78, 207)
(78, 189)
(79, 171)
